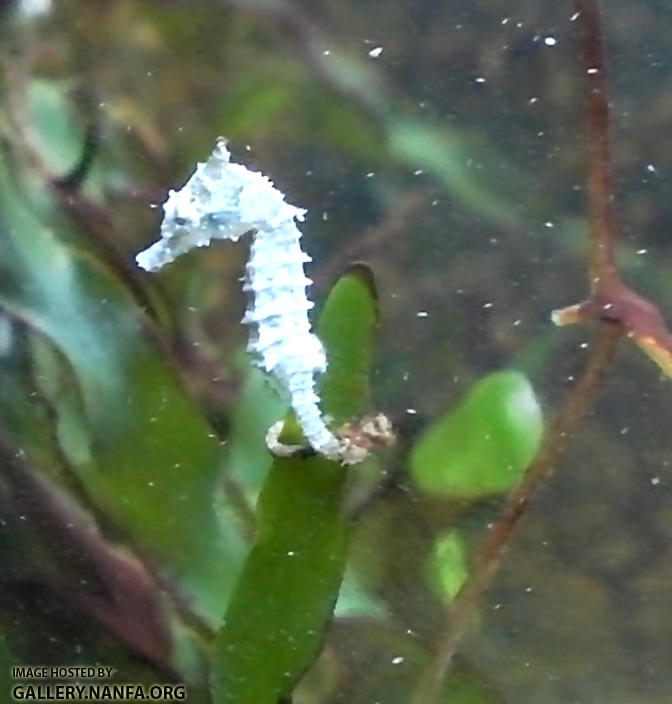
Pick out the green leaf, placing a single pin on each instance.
(285, 597)
(483, 446)
(448, 566)
(346, 327)
(258, 407)
(153, 463)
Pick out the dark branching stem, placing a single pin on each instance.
(620, 310)
(611, 299)
(502, 532)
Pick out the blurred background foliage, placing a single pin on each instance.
(440, 142)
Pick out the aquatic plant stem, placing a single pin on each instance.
(611, 299)
(501, 534)
(610, 302)
(600, 177)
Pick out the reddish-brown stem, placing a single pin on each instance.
(611, 302)
(603, 274)
(502, 532)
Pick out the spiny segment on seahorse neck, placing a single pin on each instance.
(223, 200)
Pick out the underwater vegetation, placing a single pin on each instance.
(326, 504)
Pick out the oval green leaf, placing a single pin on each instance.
(484, 446)
(448, 566)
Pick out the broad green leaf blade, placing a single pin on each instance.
(154, 461)
(484, 445)
(285, 596)
(284, 599)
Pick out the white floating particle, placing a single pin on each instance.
(549, 224)
(479, 79)
(398, 660)
(651, 168)
(575, 17)
(411, 411)
(550, 41)
(593, 70)
(655, 481)
(375, 53)
(533, 100)
(422, 314)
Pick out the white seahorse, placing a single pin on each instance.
(224, 200)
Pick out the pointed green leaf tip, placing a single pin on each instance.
(285, 597)
(346, 327)
(485, 444)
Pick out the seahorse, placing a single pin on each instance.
(225, 200)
